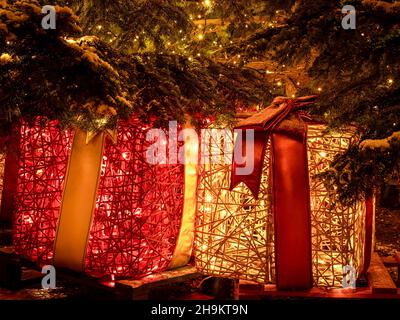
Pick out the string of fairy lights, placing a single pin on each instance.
(209, 38)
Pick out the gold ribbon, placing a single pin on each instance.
(78, 201)
(184, 245)
(112, 134)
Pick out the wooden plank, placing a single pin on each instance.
(270, 291)
(139, 289)
(390, 261)
(379, 278)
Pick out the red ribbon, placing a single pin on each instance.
(369, 231)
(263, 124)
(290, 185)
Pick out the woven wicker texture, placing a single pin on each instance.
(43, 160)
(235, 232)
(138, 210)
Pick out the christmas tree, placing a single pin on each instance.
(163, 60)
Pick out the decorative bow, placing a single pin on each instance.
(263, 124)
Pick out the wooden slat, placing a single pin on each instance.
(270, 291)
(140, 289)
(379, 278)
(390, 261)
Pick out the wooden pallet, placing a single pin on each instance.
(16, 273)
(20, 272)
(147, 287)
(381, 286)
(391, 262)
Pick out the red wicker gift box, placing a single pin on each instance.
(279, 224)
(96, 205)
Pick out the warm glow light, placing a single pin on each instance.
(207, 3)
(137, 208)
(235, 229)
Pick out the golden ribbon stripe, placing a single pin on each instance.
(184, 245)
(78, 201)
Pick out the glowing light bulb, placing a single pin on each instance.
(99, 27)
(390, 81)
(279, 83)
(126, 155)
(207, 3)
(319, 89)
(200, 36)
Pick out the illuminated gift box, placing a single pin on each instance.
(279, 224)
(97, 206)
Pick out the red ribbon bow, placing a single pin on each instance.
(263, 124)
